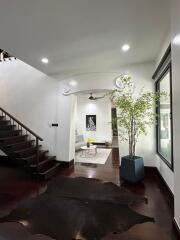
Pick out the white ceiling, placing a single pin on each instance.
(80, 36)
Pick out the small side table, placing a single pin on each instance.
(90, 151)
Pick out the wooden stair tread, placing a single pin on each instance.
(13, 130)
(19, 143)
(49, 172)
(7, 126)
(6, 122)
(41, 152)
(46, 160)
(27, 149)
(12, 137)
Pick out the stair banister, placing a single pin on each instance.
(22, 126)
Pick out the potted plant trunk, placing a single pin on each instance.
(135, 113)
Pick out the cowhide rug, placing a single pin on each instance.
(15, 231)
(78, 208)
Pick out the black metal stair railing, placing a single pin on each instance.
(24, 129)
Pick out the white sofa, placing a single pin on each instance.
(79, 142)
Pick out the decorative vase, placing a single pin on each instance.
(88, 144)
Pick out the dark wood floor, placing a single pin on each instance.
(159, 206)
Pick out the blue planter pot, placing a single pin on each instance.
(132, 169)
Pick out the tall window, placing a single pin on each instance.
(164, 129)
(164, 119)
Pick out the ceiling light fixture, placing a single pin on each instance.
(176, 40)
(45, 60)
(125, 48)
(73, 83)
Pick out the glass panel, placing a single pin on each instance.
(165, 120)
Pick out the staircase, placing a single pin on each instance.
(21, 145)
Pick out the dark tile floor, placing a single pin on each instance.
(16, 186)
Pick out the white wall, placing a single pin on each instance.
(102, 109)
(176, 103)
(66, 113)
(142, 75)
(31, 97)
(163, 48)
(164, 170)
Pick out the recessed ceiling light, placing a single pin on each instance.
(125, 48)
(176, 40)
(45, 60)
(73, 83)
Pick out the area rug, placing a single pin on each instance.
(100, 158)
(79, 208)
(16, 231)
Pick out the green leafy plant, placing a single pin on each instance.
(114, 126)
(135, 111)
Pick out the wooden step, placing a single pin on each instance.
(32, 159)
(20, 145)
(22, 151)
(49, 173)
(9, 133)
(7, 127)
(13, 139)
(44, 164)
(4, 122)
(26, 152)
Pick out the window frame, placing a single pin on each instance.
(167, 68)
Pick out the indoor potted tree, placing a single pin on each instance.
(135, 113)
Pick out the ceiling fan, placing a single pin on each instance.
(91, 97)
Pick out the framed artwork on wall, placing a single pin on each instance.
(90, 122)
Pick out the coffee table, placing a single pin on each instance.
(90, 151)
